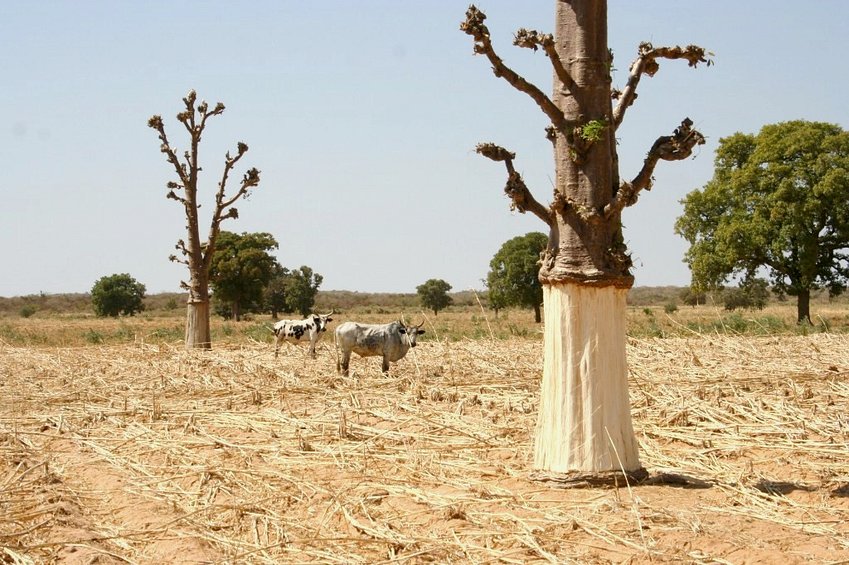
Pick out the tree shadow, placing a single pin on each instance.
(616, 479)
(781, 487)
(841, 491)
(676, 480)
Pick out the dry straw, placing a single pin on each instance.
(142, 454)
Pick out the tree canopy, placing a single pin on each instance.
(433, 294)
(778, 201)
(301, 286)
(513, 279)
(274, 296)
(241, 268)
(117, 294)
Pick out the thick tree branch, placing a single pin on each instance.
(223, 209)
(647, 64)
(475, 27)
(532, 39)
(173, 195)
(181, 247)
(673, 147)
(187, 117)
(155, 122)
(516, 189)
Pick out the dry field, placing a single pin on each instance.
(144, 453)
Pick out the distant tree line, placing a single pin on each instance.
(243, 275)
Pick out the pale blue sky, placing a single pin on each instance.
(362, 116)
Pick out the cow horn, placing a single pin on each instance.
(420, 325)
(332, 311)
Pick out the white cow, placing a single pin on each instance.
(392, 341)
(293, 331)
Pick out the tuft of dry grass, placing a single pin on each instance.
(143, 452)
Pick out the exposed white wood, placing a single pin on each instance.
(584, 422)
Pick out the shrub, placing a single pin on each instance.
(27, 310)
(93, 337)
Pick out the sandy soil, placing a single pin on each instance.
(149, 454)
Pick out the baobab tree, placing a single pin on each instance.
(197, 254)
(584, 429)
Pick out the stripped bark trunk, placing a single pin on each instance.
(584, 423)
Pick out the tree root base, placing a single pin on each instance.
(580, 479)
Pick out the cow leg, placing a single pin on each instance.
(276, 346)
(346, 360)
(385, 365)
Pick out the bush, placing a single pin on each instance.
(93, 337)
(691, 297)
(753, 294)
(117, 294)
(670, 308)
(27, 310)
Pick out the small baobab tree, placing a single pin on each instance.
(584, 429)
(196, 254)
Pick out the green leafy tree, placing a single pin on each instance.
(274, 295)
(241, 268)
(778, 201)
(497, 299)
(117, 294)
(514, 273)
(757, 292)
(433, 294)
(692, 297)
(300, 289)
(752, 294)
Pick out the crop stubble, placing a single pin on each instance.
(147, 453)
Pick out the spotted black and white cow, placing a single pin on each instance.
(392, 341)
(298, 331)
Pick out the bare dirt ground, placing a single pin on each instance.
(149, 454)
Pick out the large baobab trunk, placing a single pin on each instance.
(584, 429)
(197, 324)
(585, 272)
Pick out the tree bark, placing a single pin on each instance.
(803, 307)
(584, 423)
(197, 325)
